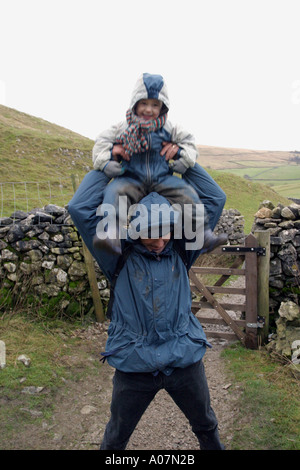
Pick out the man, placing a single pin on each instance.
(154, 341)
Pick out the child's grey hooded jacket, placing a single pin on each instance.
(147, 166)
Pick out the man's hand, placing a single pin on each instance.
(169, 150)
(119, 151)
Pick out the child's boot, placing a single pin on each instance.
(111, 243)
(212, 241)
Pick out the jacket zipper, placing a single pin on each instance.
(148, 161)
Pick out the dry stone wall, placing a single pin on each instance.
(232, 223)
(283, 223)
(41, 257)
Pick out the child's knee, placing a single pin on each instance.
(221, 198)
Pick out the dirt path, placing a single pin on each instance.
(81, 411)
(82, 407)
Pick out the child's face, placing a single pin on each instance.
(148, 109)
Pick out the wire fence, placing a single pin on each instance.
(29, 196)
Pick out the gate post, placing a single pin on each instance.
(263, 238)
(90, 268)
(251, 293)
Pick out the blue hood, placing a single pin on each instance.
(153, 217)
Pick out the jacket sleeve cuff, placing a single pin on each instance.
(100, 164)
(184, 162)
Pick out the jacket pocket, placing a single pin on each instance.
(114, 351)
(120, 339)
(198, 340)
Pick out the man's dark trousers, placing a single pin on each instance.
(133, 392)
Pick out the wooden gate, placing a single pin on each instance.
(254, 257)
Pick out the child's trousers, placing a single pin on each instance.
(89, 196)
(175, 189)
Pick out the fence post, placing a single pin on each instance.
(89, 263)
(251, 294)
(263, 238)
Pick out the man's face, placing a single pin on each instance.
(148, 109)
(156, 244)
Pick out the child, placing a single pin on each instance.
(145, 144)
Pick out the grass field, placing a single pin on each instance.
(268, 173)
(268, 417)
(287, 189)
(277, 169)
(284, 179)
(219, 158)
(245, 195)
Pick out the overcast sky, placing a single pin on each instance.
(232, 66)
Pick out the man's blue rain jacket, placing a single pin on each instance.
(152, 327)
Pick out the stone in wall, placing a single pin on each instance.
(286, 340)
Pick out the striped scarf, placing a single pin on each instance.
(134, 138)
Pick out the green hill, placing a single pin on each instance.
(220, 158)
(277, 169)
(244, 195)
(37, 160)
(41, 154)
